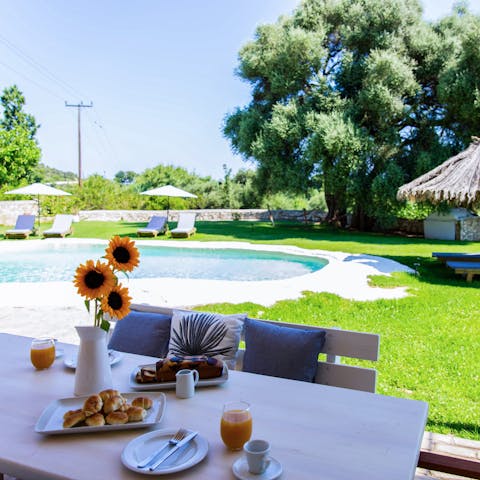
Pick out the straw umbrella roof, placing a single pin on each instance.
(456, 181)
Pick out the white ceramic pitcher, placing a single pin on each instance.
(93, 372)
(185, 383)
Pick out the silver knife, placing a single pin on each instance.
(151, 458)
(179, 445)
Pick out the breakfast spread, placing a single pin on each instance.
(166, 369)
(107, 407)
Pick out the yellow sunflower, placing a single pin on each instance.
(122, 254)
(94, 280)
(117, 302)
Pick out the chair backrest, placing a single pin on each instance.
(186, 220)
(62, 222)
(338, 343)
(157, 222)
(25, 222)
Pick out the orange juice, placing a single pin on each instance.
(236, 428)
(42, 353)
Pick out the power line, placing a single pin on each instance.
(37, 66)
(46, 73)
(30, 80)
(79, 107)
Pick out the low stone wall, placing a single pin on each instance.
(203, 215)
(470, 229)
(10, 210)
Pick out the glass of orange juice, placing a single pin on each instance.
(42, 352)
(236, 424)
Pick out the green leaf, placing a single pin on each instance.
(87, 305)
(105, 325)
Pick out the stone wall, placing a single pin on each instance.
(470, 229)
(10, 210)
(203, 215)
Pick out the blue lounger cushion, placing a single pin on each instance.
(279, 351)
(143, 333)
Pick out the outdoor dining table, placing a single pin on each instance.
(315, 431)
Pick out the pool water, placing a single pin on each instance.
(49, 263)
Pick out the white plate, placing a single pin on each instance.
(51, 420)
(58, 352)
(240, 470)
(143, 446)
(113, 356)
(206, 382)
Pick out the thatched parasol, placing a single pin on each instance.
(456, 181)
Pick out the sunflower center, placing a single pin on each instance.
(94, 279)
(121, 255)
(115, 301)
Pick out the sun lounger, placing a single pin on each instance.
(185, 226)
(155, 226)
(456, 257)
(62, 226)
(465, 268)
(24, 227)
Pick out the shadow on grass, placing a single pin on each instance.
(456, 427)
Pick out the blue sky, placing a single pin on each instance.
(160, 74)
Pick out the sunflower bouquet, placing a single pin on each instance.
(98, 281)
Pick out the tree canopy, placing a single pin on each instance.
(357, 97)
(19, 150)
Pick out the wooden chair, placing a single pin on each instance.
(185, 226)
(456, 257)
(465, 268)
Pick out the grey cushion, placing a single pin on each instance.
(204, 333)
(279, 351)
(143, 333)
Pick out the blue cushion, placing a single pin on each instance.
(144, 333)
(286, 352)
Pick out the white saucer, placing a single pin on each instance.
(273, 471)
(113, 356)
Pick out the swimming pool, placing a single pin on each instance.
(49, 262)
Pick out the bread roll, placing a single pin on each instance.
(70, 412)
(92, 405)
(72, 418)
(136, 414)
(116, 418)
(109, 393)
(143, 402)
(95, 420)
(112, 404)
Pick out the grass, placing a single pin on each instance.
(430, 343)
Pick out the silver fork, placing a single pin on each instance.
(179, 435)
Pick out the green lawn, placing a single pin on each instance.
(430, 344)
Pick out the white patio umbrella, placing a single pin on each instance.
(38, 189)
(168, 191)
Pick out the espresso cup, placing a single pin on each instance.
(185, 383)
(257, 452)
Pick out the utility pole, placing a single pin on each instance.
(79, 106)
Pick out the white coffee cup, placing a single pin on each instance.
(257, 456)
(185, 383)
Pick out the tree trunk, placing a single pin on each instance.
(336, 214)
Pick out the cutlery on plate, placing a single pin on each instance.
(179, 445)
(179, 435)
